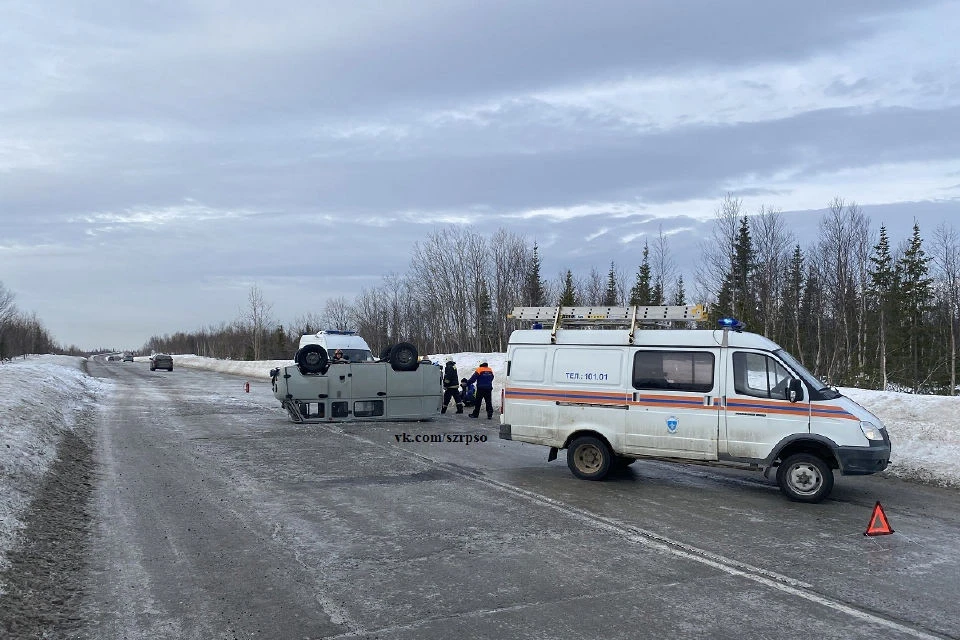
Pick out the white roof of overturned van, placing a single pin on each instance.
(644, 337)
(335, 340)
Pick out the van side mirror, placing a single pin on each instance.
(795, 390)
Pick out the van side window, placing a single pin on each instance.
(759, 375)
(673, 370)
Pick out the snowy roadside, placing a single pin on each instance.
(924, 433)
(40, 398)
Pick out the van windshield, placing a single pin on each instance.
(357, 355)
(822, 391)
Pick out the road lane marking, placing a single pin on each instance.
(658, 542)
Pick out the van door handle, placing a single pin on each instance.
(381, 393)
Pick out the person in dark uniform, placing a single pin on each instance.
(468, 392)
(483, 376)
(451, 386)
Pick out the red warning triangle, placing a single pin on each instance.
(878, 523)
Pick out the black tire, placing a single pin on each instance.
(385, 353)
(312, 359)
(804, 477)
(589, 458)
(404, 357)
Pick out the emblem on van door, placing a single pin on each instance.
(672, 424)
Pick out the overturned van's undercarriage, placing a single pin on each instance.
(399, 386)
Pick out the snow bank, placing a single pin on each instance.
(924, 433)
(39, 398)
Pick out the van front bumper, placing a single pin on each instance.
(505, 432)
(861, 461)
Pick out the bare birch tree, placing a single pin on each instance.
(718, 251)
(509, 257)
(663, 269)
(256, 319)
(593, 288)
(946, 263)
(772, 241)
(840, 230)
(338, 313)
(7, 312)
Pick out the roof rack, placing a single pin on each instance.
(609, 316)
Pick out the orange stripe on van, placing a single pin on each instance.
(751, 405)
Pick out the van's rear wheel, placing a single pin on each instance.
(589, 458)
(312, 359)
(403, 357)
(804, 477)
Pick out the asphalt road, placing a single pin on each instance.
(213, 516)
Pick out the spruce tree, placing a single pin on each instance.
(811, 320)
(793, 298)
(680, 296)
(485, 320)
(743, 299)
(915, 295)
(610, 296)
(883, 281)
(534, 292)
(656, 295)
(568, 298)
(641, 294)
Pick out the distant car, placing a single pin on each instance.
(113, 358)
(161, 361)
(128, 357)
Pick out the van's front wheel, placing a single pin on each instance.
(589, 458)
(805, 478)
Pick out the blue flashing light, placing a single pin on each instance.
(730, 323)
(537, 325)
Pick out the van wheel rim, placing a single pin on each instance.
(805, 478)
(589, 458)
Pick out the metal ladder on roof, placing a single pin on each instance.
(632, 317)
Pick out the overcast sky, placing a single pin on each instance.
(159, 158)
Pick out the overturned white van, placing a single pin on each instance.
(612, 395)
(356, 386)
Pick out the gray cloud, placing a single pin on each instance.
(185, 151)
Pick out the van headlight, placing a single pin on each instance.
(871, 431)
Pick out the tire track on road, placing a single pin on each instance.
(657, 542)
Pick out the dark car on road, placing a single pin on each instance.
(161, 361)
(128, 357)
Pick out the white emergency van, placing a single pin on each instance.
(609, 392)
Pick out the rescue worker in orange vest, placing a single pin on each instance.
(483, 376)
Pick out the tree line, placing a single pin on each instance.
(854, 306)
(21, 333)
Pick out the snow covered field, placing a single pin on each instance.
(41, 396)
